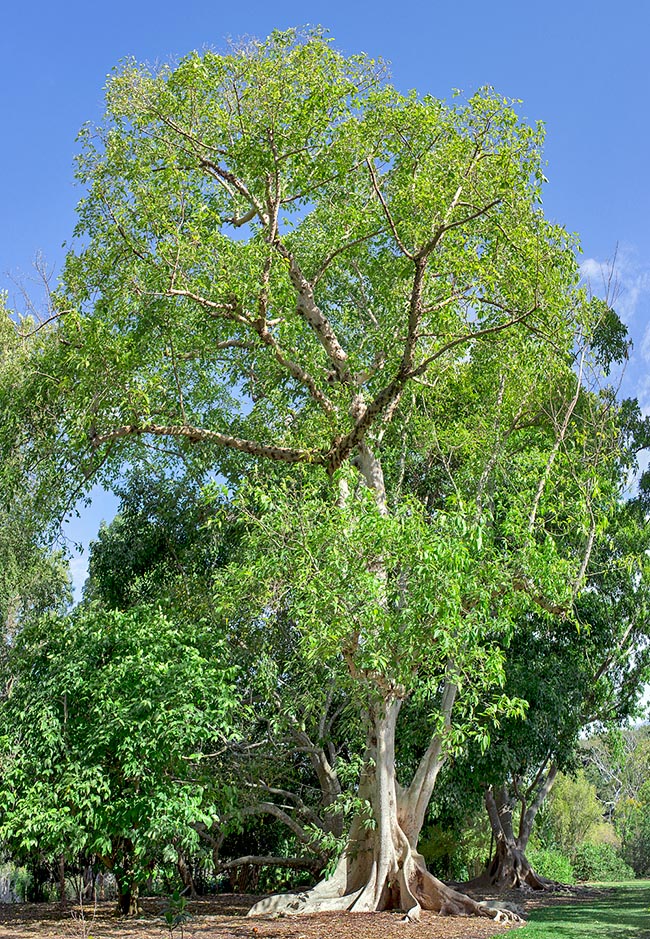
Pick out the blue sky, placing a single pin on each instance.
(580, 67)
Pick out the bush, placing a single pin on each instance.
(457, 854)
(551, 864)
(600, 862)
(13, 882)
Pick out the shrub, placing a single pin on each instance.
(457, 853)
(600, 862)
(552, 864)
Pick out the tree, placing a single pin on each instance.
(617, 764)
(572, 678)
(32, 577)
(103, 726)
(164, 546)
(282, 259)
(160, 548)
(573, 812)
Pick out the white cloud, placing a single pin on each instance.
(624, 279)
(645, 344)
(592, 270)
(643, 393)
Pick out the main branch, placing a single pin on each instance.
(198, 435)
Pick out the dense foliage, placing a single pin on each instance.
(104, 732)
(600, 862)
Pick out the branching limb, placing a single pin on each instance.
(528, 816)
(270, 808)
(431, 245)
(524, 585)
(228, 311)
(297, 372)
(198, 434)
(418, 794)
(309, 310)
(344, 446)
(224, 175)
(387, 213)
(344, 247)
(556, 446)
(304, 810)
(238, 221)
(50, 319)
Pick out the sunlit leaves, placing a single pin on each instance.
(103, 728)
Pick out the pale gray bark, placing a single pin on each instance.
(415, 800)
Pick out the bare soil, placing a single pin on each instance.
(224, 917)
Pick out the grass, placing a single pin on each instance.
(621, 911)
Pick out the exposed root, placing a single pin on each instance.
(510, 870)
(412, 890)
(503, 912)
(335, 894)
(412, 915)
(307, 901)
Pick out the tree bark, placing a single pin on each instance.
(185, 874)
(380, 867)
(62, 890)
(127, 886)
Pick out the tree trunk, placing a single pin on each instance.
(127, 898)
(185, 874)
(120, 864)
(380, 867)
(510, 868)
(62, 890)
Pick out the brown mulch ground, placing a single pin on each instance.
(223, 917)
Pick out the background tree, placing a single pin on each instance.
(103, 727)
(165, 546)
(572, 674)
(32, 577)
(616, 763)
(160, 547)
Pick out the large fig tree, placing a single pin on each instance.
(289, 271)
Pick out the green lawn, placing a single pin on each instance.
(621, 912)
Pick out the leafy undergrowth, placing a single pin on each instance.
(617, 911)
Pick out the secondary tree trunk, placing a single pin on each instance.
(380, 867)
(510, 867)
(62, 890)
(185, 874)
(125, 880)
(127, 898)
